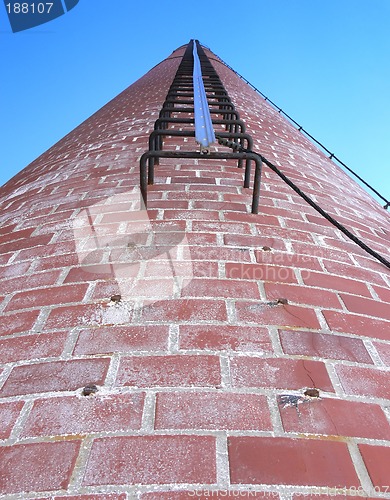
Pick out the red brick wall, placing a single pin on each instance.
(190, 370)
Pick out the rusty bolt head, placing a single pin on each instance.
(312, 393)
(89, 389)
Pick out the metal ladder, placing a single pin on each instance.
(179, 109)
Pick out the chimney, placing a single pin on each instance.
(176, 320)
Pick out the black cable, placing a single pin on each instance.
(301, 129)
(308, 200)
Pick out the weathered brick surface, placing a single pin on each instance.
(357, 324)
(152, 460)
(18, 322)
(361, 381)
(55, 376)
(205, 410)
(235, 338)
(176, 370)
(376, 459)
(48, 296)
(84, 414)
(337, 417)
(189, 369)
(185, 310)
(294, 462)
(37, 466)
(32, 346)
(328, 346)
(302, 295)
(265, 313)
(338, 283)
(9, 412)
(113, 339)
(279, 373)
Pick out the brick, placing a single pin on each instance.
(60, 218)
(169, 371)
(185, 310)
(183, 195)
(358, 325)
(126, 216)
(220, 253)
(5, 257)
(84, 414)
(383, 293)
(337, 418)
(221, 227)
(78, 315)
(321, 229)
(279, 373)
(220, 288)
(283, 315)
(97, 272)
(277, 211)
(212, 411)
(239, 240)
(261, 219)
(261, 272)
(211, 188)
(328, 346)
(353, 272)
(207, 215)
(300, 261)
(322, 252)
(219, 205)
(360, 381)
(13, 270)
(368, 262)
(185, 179)
(37, 466)
(38, 280)
(55, 376)
(302, 295)
(17, 323)
(370, 307)
(284, 233)
(384, 352)
(199, 238)
(7, 229)
(377, 459)
(107, 340)
(48, 296)
(294, 462)
(56, 262)
(333, 282)
(225, 338)
(54, 249)
(13, 236)
(151, 460)
(24, 243)
(29, 347)
(9, 413)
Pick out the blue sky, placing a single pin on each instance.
(325, 62)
